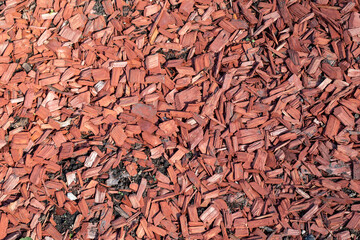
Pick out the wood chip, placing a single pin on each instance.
(190, 119)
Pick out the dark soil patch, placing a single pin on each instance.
(121, 178)
(237, 203)
(126, 10)
(356, 233)
(234, 206)
(161, 164)
(19, 122)
(98, 8)
(64, 220)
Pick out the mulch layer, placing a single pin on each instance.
(179, 119)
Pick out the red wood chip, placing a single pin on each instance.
(118, 135)
(191, 119)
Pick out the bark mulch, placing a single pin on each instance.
(179, 119)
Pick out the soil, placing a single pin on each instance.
(64, 220)
(161, 164)
(98, 8)
(19, 122)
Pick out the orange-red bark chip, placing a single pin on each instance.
(145, 111)
(70, 34)
(168, 127)
(131, 168)
(53, 232)
(4, 222)
(118, 135)
(168, 119)
(20, 140)
(66, 150)
(209, 215)
(37, 174)
(80, 100)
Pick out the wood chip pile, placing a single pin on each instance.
(179, 119)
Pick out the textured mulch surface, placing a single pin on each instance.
(190, 119)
